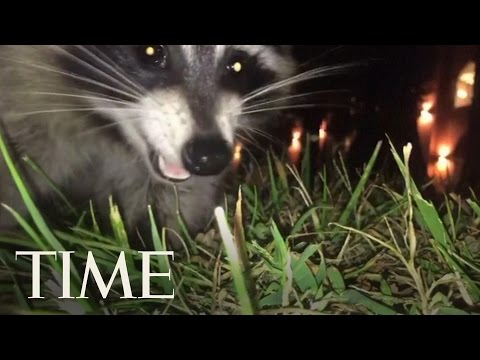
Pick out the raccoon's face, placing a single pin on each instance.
(180, 105)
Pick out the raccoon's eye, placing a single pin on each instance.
(238, 70)
(243, 73)
(154, 56)
(236, 67)
(237, 64)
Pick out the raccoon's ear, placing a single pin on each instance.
(283, 49)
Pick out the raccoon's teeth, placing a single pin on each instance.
(172, 171)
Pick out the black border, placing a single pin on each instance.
(237, 22)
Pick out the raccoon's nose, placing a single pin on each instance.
(207, 155)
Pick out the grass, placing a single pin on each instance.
(289, 242)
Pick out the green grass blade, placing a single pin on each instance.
(120, 233)
(160, 245)
(302, 274)
(336, 279)
(273, 185)
(51, 184)
(307, 164)
(356, 298)
(235, 262)
(359, 189)
(29, 203)
(52, 242)
(434, 222)
(475, 207)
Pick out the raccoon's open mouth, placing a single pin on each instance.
(168, 171)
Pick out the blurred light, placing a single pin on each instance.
(296, 134)
(462, 94)
(444, 151)
(468, 78)
(444, 166)
(464, 86)
(427, 106)
(237, 155)
(322, 134)
(238, 152)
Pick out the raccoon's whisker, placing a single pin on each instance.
(246, 141)
(96, 69)
(92, 109)
(322, 55)
(291, 97)
(83, 93)
(49, 105)
(249, 130)
(266, 135)
(302, 77)
(105, 60)
(252, 156)
(79, 96)
(113, 66)
(252, 139)
(110, 65)
(93, 93)
(74, 76)
(278, 108)
(262, 150)
(105, 127)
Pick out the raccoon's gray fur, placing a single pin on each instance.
(115, 120)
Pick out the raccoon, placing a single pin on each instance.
(144, 125)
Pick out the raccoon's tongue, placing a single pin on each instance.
(173, 171)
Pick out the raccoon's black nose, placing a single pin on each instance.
(207, 155)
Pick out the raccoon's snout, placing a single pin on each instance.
(207, 155)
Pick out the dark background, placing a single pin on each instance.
(383, 84)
